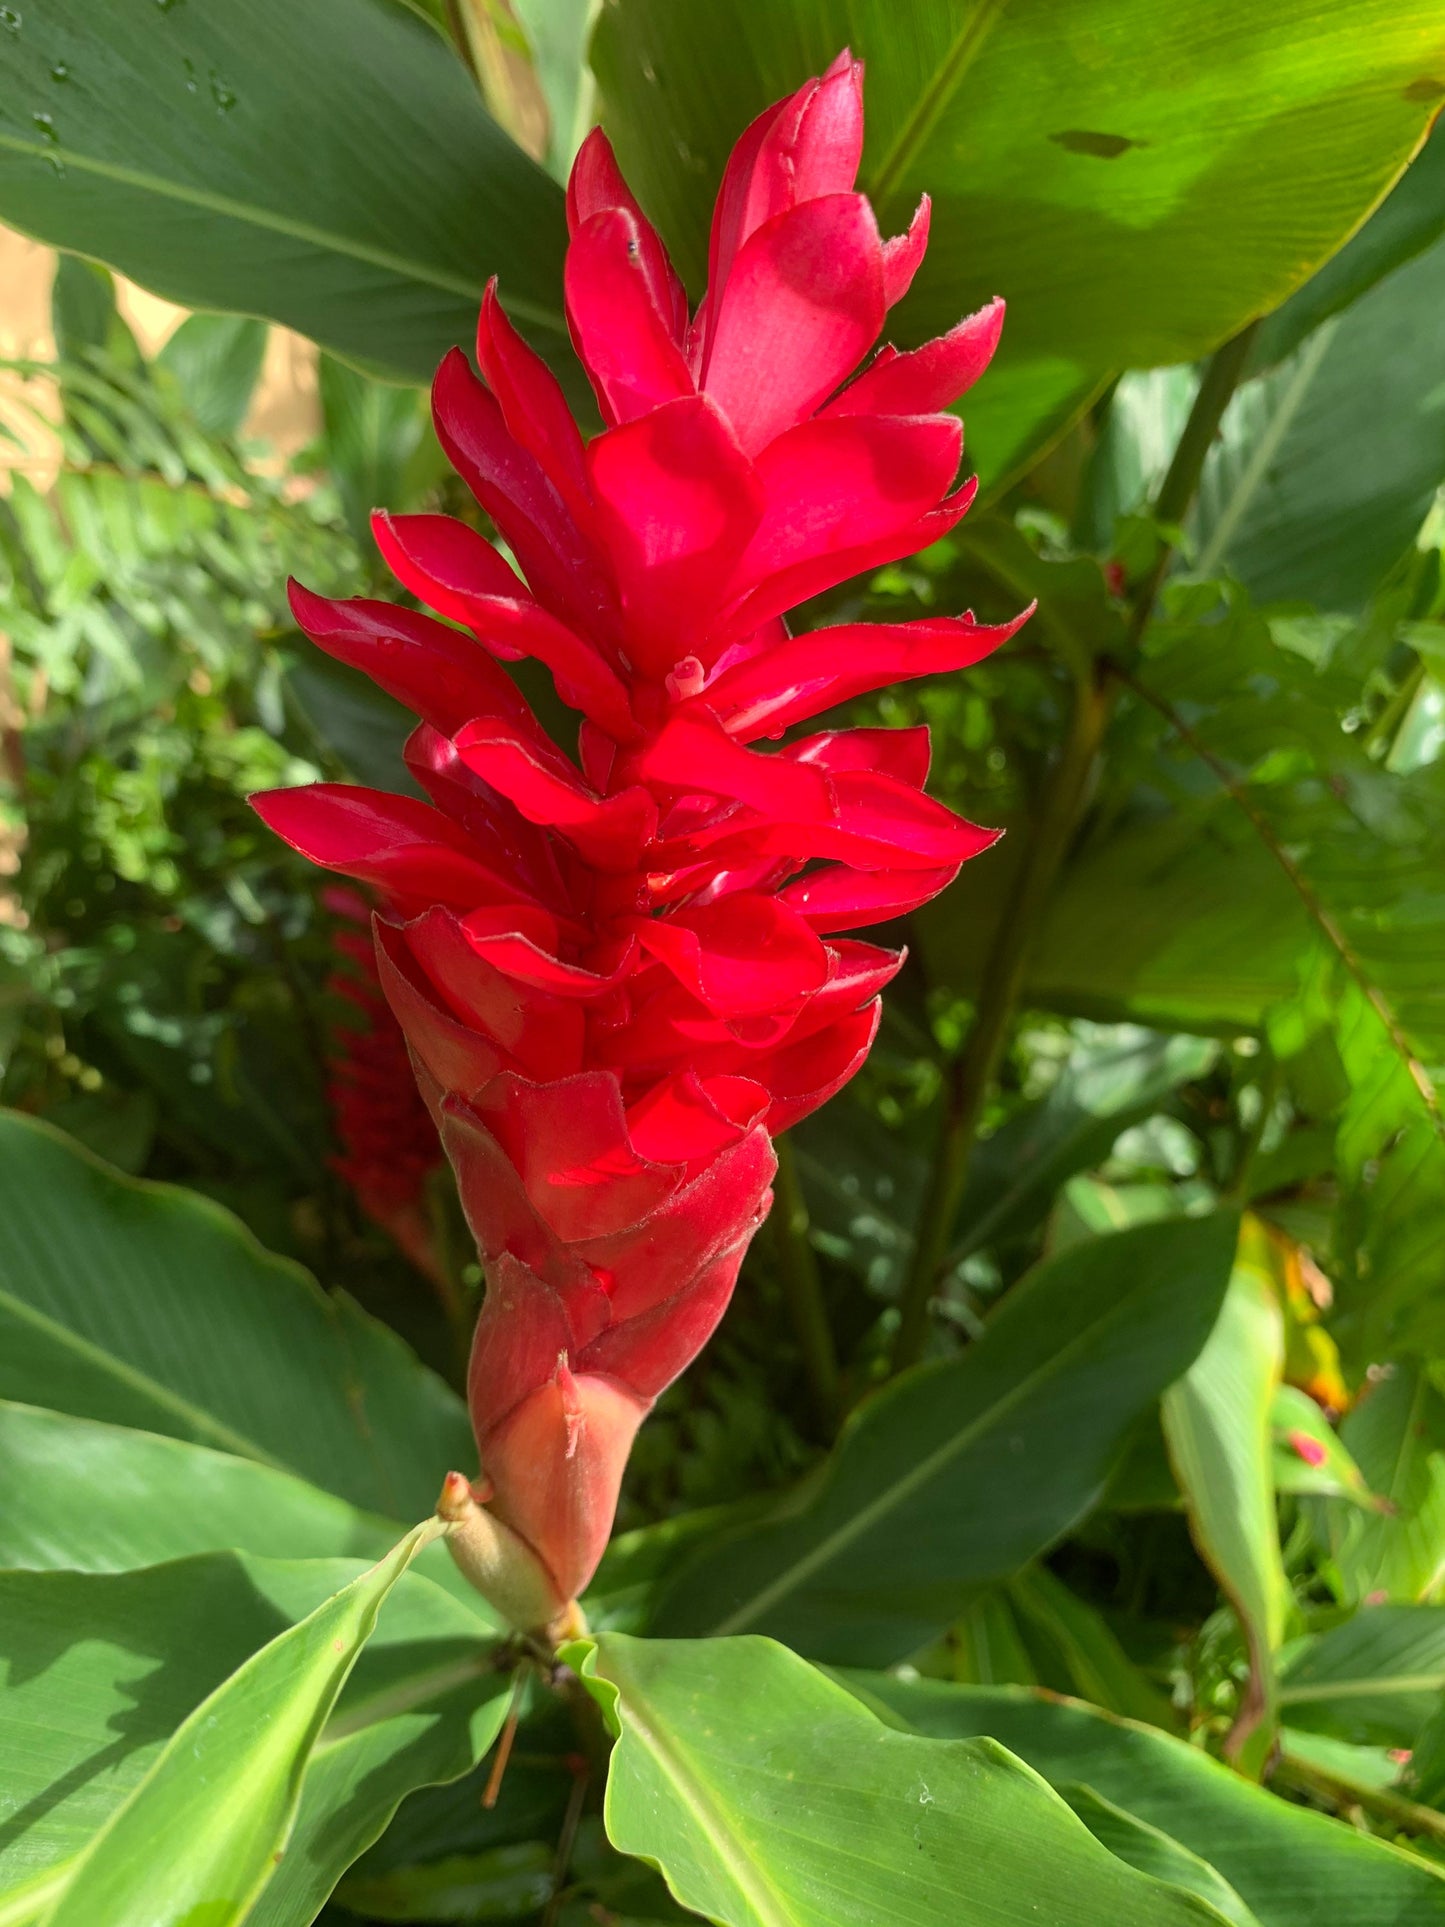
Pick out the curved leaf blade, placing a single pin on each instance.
(151, 1307)
(328, 166)
(103, 1669)
(1293, 1866)
(960, 1473)
(770, 1797)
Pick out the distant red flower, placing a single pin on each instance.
(388, 1138)
(620, 980)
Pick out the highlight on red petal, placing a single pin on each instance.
(810, 576)
(802, 675)
(689, 1118)
(801, 148)
(903, 255)
(925, 379)
(840, 898)
(442, 561)
(595, 186)
(900, 753)
(690, 753)
(406, 849)
(841, 483)
(532, 403)
(678, 502)
(802, 306)
(437, 672)
(609, 830)
(515, 490)
(744, 954)
(623, 338)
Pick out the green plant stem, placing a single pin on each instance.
(972, 1071)
(1052, 832)
(1393, 1808)
(803, 1288)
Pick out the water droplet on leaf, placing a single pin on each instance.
(224, 98)
(10, 18)
(46, 125)
(60, 71)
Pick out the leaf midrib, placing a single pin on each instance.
(730, 1847)
(904, 1488)
(215, 1430)
(1362, 1688)
(270, 222)
(921, 119)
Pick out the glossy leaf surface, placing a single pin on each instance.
(771, 1798)
(151, 1307)
(327, 166)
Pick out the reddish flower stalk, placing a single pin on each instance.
(620, 981)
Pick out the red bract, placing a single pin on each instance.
(621, 977)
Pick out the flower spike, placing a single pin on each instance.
(620, 978)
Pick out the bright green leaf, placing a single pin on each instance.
(1294, 1416)
(148, 1306)
(1277, 508)
(1153, 1852)
(1294, 1867)
(771, 1798)
(216, 360)
(1396, 1434)
(104, 1668)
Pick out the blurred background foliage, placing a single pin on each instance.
(1232, 989)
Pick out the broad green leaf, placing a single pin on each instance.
(1292, 1866)
(216, 360)
(1136, 184)
(959, 1473)
(1374, 1680)
(328, 166)
(225, 1789)
(168, 1499)
(151, 1307)
(1217, 1428)
(1396, 1434)
(1153, 1852)
(1404, 225)
(164, 1498)
(1276, 507)
(770, 1797)
(1295, 1419)
(103, 1669)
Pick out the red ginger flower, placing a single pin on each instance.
(620, 981)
